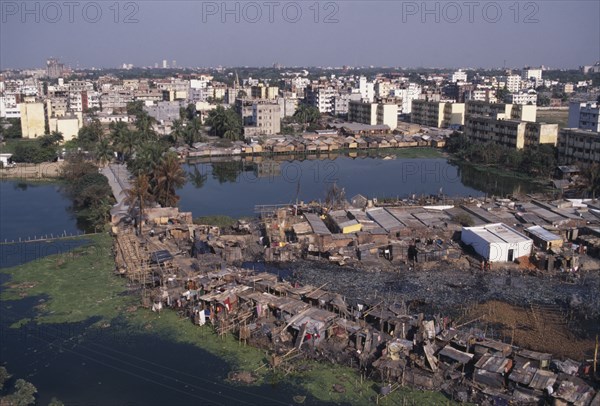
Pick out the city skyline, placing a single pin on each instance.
(400, 34)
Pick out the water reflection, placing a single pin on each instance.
(234, 186)
(494, 183)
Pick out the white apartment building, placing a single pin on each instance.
(459, 76)
(512, 83)
(408, 93)
(321, 97)
(9, 107)
(532, 75)
(585, 116)
(528, 97)
(482, 95)
(366, 89)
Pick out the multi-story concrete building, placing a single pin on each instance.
(54, 69)
(567, 87)
(459, 76)
(366, 89)
(407, 93)
(259, 117)
(578, 146)
(341, 102)
(437, 114)
(264, 92)
(510, 133)
(165, 111)
(501, 111)
(322, 97)
(532, 75)
(115, 99)
(527, 97)
(585, 116)
(373, 113)
(266, 117)
(482, 95)
(512, 83)
(33, 119)
(458, 91)
(287, 106)
(68, 126)
(9, 107)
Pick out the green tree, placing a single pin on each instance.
(307, 114)
(135, 108)
(168, 176)
(10, 128)
(103, 152)
(126, 143)
(4, 376)
(51, 140)
(178, 130)
(24, 394)
(90, 134)
(225, 123)
(147, 157)
(145, 125)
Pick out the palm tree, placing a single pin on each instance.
(145, 125)
(147, 157)
(126, 144)
(168, 176)
(177, 130)
(139, 194)
(117, 130)
(104, 152)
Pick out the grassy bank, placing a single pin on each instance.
(497, 170)
(80, 285)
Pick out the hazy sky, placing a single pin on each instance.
(467, 33)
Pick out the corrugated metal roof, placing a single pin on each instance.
(317, 224)
(543, 234)
(385, 219)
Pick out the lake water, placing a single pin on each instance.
(234, 188)
(33, 210)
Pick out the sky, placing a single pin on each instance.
(452, 34)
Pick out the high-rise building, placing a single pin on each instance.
(165, 65)
(54, 69)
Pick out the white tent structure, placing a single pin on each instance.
(497, 242)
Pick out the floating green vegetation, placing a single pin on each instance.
(170, 326)
(219, 221)
(73, 286)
